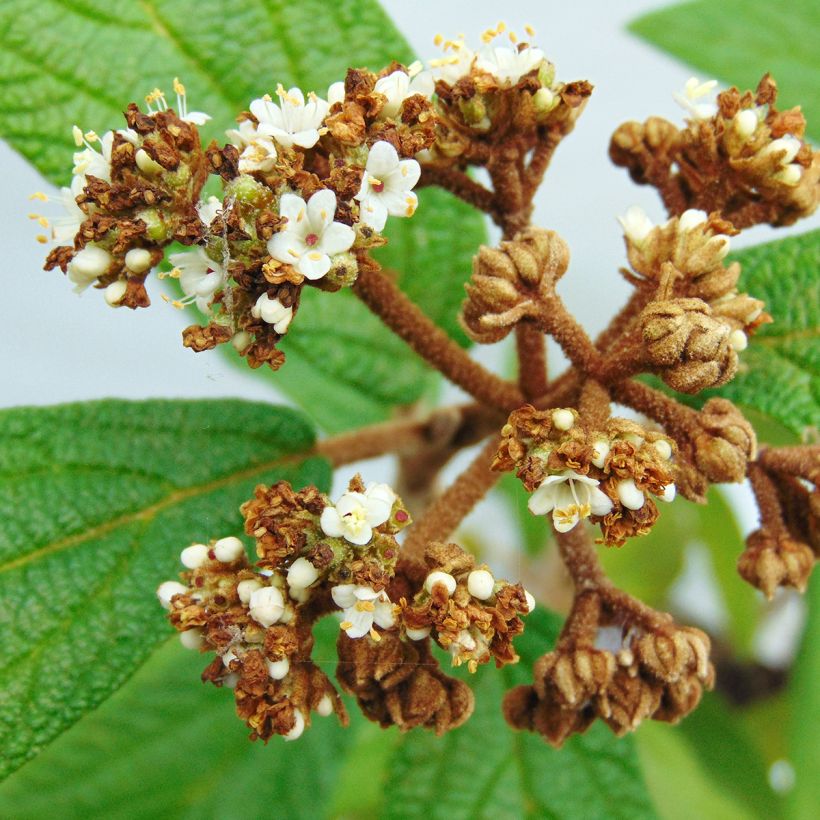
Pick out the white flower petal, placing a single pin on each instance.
(331, 522)
(336, 238)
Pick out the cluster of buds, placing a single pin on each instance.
(510, 283)
(623, 671)
(737, 155)
(315, 558)
(134, 191)
(496, 94)
(576, 471)
(698, 322)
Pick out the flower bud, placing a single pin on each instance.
(228, 549)
(480, 584)
(726, 443)
(194, 556)
(440, 578)
(771, 561)
(167, 590)
(266, 605)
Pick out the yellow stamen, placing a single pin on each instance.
(345, 624)
(438, 40)
(365, 606)
(472, 665)
(177, 304)
(501, 27)
(530, 30)
(513, 37)
(42, 239)
(39, 195)
(78, 136)
(179, 88)
(375, 635)
(91, 136)
(42, 221)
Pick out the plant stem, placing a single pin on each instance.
(460, 185)
(407, 321)
(580, 558)
(801, 461)
(448, 428)
(765, 492)
(556, 321)
(448, 510)
(677, 419)
(532, 359)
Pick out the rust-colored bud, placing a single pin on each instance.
(726, 443)
(637, 146)
(629, 699)
(680, 698)
(571, 678)
(508, 281)
(771, 561)
(687, 344)
(671, 656)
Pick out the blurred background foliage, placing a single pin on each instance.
(163, 746)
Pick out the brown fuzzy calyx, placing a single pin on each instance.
(773, 560)
(726, 442)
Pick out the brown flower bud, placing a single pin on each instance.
(399, 683)
(507, 282)
(679, 699)
(726, 443)
(671, 656)
(640, 146)
(628, 700)
(571, 678)
(690, 348)
(772, 561)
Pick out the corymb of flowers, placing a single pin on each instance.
(310, 180)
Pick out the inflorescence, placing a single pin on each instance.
(309, 183)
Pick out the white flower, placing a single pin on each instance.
(455, 64)
(167, 590)
(691, 219)
(355, 514)
(90, 161)
(258, 150)
(636, 224)
(697, 98)
(293, 121)
(273, 312)
(336, 93)
(64, 228)
(228, 549)
(398, 86)
(310, 236)
(208, 209)
(194, 556)
(199, 276)
(480, 584)
(363, 607)
(509, 65)
(266, 605)
(629, 495)
(87, 265)
(787, 147)
(387, 186)
(570, 497)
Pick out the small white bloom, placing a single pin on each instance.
(738, 340)
(664, 448)
(87, 265)
(114, 292)
(336, 93)
(199, 276)
(363, 607)
(629, 495)
(570, 497)
(398, 86)
(192, 638)
(293, 121)
(167, 590)
(480, 584)
(64, 228)
(228, 549)
(355, 514)
(636, 224)
(746, 122)
(698, 98)
(443, 578)
(455, 64)
(138, 260)
(668, 494)
(298, 726)
(208, 209)
(93, 162)
(266, 605)
(387, 186)
(278, 669)
(418, 634)
(324, 707)
(509, 65)
(530, 600)
(600, 450)
(246, 588)
(258, 151)
(273, 312)
(302, 573)
(787, 147)
(563, 419)
(310, 236)
(194, 556)
(691, 218)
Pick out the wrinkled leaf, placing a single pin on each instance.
(486, 770)
(739, 40)
(167, 745)
(66, 63)
(96, 502)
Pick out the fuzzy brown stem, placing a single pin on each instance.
(803, 462)
(532, 359)
(768, 503)
(677, 419)
(448, 510)
(580, 558)
(541, 158)
(593, 404)
(625, 607)
(407, 321)
(460, 185)
(449, 428)
(559, 323)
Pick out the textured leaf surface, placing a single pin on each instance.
(168, 746)
(83, 61)
(739, 40)
(486, 770)
(96, 502)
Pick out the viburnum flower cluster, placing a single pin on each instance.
(310, 180)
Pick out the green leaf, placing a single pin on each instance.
(82, 62)
(805, 715)
(97, 501)
(486, 770)
(167, 746)
(739, 40)
(535, 532)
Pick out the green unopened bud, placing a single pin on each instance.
(473, 110)
(246, 190)
(546, 74)
(543, 101)
(344, 270)
(157, 229)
